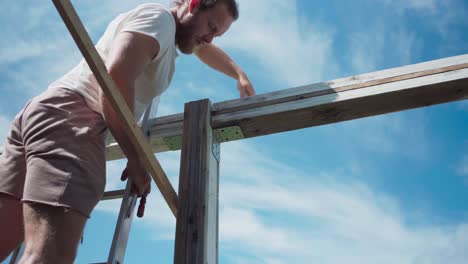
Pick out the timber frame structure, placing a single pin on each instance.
(199, 131)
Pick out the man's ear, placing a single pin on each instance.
(194, 5)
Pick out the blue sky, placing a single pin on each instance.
(386, 189)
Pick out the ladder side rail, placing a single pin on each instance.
(15, 256)
(127, 211)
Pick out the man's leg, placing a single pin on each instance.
(52, 233)
(11, 227)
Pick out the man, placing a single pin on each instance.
(52, 172)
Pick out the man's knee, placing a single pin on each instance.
(52, 233)
(34, 255)
(43, 253)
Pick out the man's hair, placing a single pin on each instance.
(232, 6)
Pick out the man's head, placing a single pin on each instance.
(199, 21)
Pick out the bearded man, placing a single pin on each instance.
(52, 171)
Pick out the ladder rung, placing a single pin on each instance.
(111, 195)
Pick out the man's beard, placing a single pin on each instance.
(184, 37)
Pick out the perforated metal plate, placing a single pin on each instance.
(228, 133)
(221, 134)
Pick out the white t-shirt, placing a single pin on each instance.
(150, 19)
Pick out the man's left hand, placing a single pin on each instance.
(245, 86)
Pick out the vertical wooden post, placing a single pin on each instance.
(196, 239)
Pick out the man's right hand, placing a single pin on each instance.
(140, 177)
(129, 55)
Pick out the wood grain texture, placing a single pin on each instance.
(198, 213)
(381, 92)
(332, 108)
(342, 85)
(131, 129)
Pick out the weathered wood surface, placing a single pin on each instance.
(381, 92)
(196, 238)
(130, 127)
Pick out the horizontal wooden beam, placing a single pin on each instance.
(381, 92)
(130, 127)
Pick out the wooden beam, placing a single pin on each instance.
(343, 106)
(196, 239)
(130, 127)
(381, 92)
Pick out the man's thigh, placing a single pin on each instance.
(52, 233)
(65, 149)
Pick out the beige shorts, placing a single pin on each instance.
(55, 153)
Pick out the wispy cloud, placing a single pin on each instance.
(441, 15)
(269, 34)
(366, 50)
(280, 214)
(419, 5)
(385, 135)
(378, 45)
(320, 218)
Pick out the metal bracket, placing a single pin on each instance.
(216, 150)
(221, 135)
(227, 134)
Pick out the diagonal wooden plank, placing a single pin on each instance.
(131, 129)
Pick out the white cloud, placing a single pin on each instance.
(378, 45)
(406, 46)
(441, 15)
(385, 134)
(321, 219)
(366, 50)
(270, 34)
(245, 228)
(420, 5)
(450, 14)
(279, 214)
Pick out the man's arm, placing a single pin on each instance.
(129, 55)
(217, 59)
